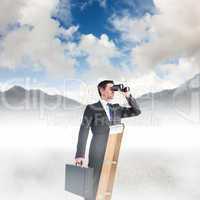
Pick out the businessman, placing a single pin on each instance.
(99, 116)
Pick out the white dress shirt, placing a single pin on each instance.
(105, 106)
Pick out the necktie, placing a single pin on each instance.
(110, 111)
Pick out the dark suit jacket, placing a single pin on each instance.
(95, 117)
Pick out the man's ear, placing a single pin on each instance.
(101, 90)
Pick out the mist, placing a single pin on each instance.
(155, 162)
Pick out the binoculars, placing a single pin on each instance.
(120, 87)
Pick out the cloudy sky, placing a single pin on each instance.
(148, 44)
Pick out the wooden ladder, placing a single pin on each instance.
(109, 167)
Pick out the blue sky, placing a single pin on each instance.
(125, 40)
(92, 17)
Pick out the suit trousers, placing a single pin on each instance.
(96, 178)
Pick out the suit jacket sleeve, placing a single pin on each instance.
(83, 132)
(133, 110)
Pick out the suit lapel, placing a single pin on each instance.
(102, 110)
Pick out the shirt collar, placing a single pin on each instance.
(104, 102)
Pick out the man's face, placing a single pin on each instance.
(108, 93)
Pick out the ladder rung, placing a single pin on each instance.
(107, 194)
(110, 162)
(101, 196)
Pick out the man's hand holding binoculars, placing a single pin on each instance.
(124, 90)
(126, 94)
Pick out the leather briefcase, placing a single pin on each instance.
(79, 180)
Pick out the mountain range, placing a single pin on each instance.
(177, 105)
(180, 104)
(18, 97)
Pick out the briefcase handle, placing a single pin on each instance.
(81, 163)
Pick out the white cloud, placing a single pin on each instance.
(45, 50)
(62, 11)
(85, 4)
(103, 3)
(132, 30)
(39, 43)
(172, 75)
(177, 33)
(173, 34)
(9, 12)
(99, 52)
(68, 33)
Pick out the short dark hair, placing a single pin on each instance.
(103, 85)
